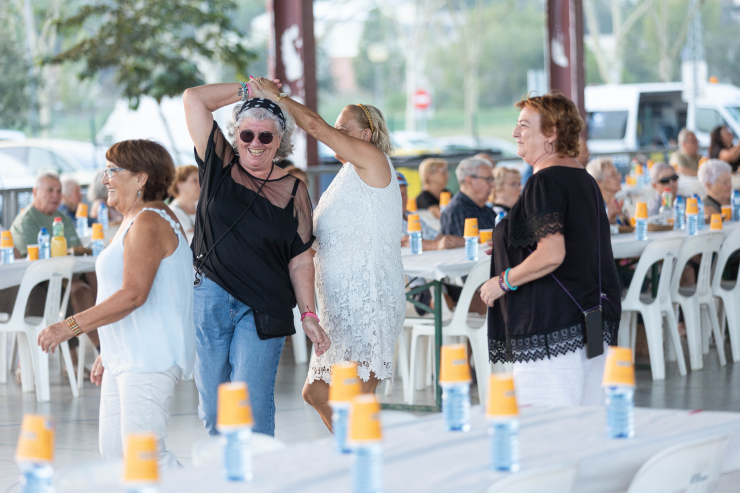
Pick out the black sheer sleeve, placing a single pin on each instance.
(540, 212)
(303, 211)
(218, 149)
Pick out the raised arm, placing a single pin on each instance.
(730, 155)
(200, 103)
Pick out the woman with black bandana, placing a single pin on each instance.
(253, 232)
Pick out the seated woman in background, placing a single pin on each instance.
(433, 173)
(609, 180)
(720, 147)
(507, 188)
(714, 176)
(186, 190)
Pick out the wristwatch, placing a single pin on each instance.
(282, 95)
(76, 330)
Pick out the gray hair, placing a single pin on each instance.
(597, 167)
(683, 134)
(43, 175)
(469, 167)
(657, 168)
(68, 185)
(286, 134)
(96, 190)
(711, 170)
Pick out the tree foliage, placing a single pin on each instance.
(155, 48)
(14, 91)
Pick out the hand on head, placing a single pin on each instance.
(264, 88)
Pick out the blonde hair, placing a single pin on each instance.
(181, 175)
(499, 175)
(597, 167)
(426, 167)
(381, 138)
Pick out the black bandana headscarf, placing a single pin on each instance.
(265, 104)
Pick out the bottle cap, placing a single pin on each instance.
(140, 459)
(692, 206)
(667, 189)
(57, 219)
(485, 235)
(234, 410)
(444, 198)
(501, 396)
(345, 384)
(364, 419)
(411, 205)
(97, 232)
(33, 252)
(454, 366)
(36, 441)
(727, 212)
(414, 224)
(716, 222)
(81, 210)
(471, 227)
(641, 211)
(6, 239)
(619, 369)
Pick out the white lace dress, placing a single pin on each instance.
(359, 274)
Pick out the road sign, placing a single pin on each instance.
(422, 99)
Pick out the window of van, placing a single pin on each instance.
(610, 125)
(734, 111)
(708, 119)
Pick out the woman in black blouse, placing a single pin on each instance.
(253, 231)
(551, 254)
(720, 147)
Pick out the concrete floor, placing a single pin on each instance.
(714, 388)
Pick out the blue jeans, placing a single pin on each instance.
(228, 349)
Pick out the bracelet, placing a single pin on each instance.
(309, 313)
(506, 280)
(502, 284)
(76, 330)
(244, 92)
(282, 95)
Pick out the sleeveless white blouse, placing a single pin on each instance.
(160, 333)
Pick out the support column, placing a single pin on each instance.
(292, 59)
(564, 58)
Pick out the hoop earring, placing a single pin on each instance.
(552, 147)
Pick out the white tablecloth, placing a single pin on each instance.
(421, 457)
(12, 274)
(438, 264)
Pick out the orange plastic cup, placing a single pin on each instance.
(364, 420)
(633, 222)
(619, 369)
(501, 396)
(727, 212)
(33, 252)
(36, 441)
(414, 224)
(411, 205)
(471, 227)
(140, 459)
(345, 384)
(692, 206)
(716, 222)
(6, 239)
(234, 410)
(485, 235)
(650, 163)
(641, 211)
(81, 210)
(639, 170)
(630, 180)
(454, 366)
(444, 198)
(97, 232)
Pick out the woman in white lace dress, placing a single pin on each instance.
(359, 275)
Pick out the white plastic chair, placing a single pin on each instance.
(555, 479)
(692, 467)
(729, 293)
(105, 476)
(208, 452)
(460, 325)
(35, 362)
(653, 310)
(692, 300)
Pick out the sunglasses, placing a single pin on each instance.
(667, 179)
(247, 136)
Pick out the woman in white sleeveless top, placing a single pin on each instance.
(144, 310)
(357, 224)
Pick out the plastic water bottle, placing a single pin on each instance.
(81, 226)
(504, 435)
(641, 229)
(143, 488)
(415, 242)
(238, 455)
(6, 245)
(700, 206)
(735, 205)
(97, 247)
(456, 406)
(620, 411)
(666, 204)
(8, 255)
(471, 248)
(367, 468)
(692, 217)
(339, 419)
(103, 216)
(679, 213)
(44, 241)
(36, 477)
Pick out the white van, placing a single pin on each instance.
(628, 117)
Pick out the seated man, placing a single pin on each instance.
(47, 196)
(71, 197)
(475, 176)
(686, 158)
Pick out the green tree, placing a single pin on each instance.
(14, 91)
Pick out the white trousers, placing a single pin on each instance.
(569, 379)
(136, 403)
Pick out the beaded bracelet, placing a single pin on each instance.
(502, 284)
(506, 280)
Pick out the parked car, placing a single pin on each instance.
(414, 144)
(14, 174)
(62, 156)
(495, 147)
(11, 135)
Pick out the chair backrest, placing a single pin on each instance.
(692, 467)
(105, 476)
(665, 249)
(729, 246)
(479, 274)
(54, 271)
(556, 479)
(704, 244)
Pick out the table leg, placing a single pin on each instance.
(438, 300)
